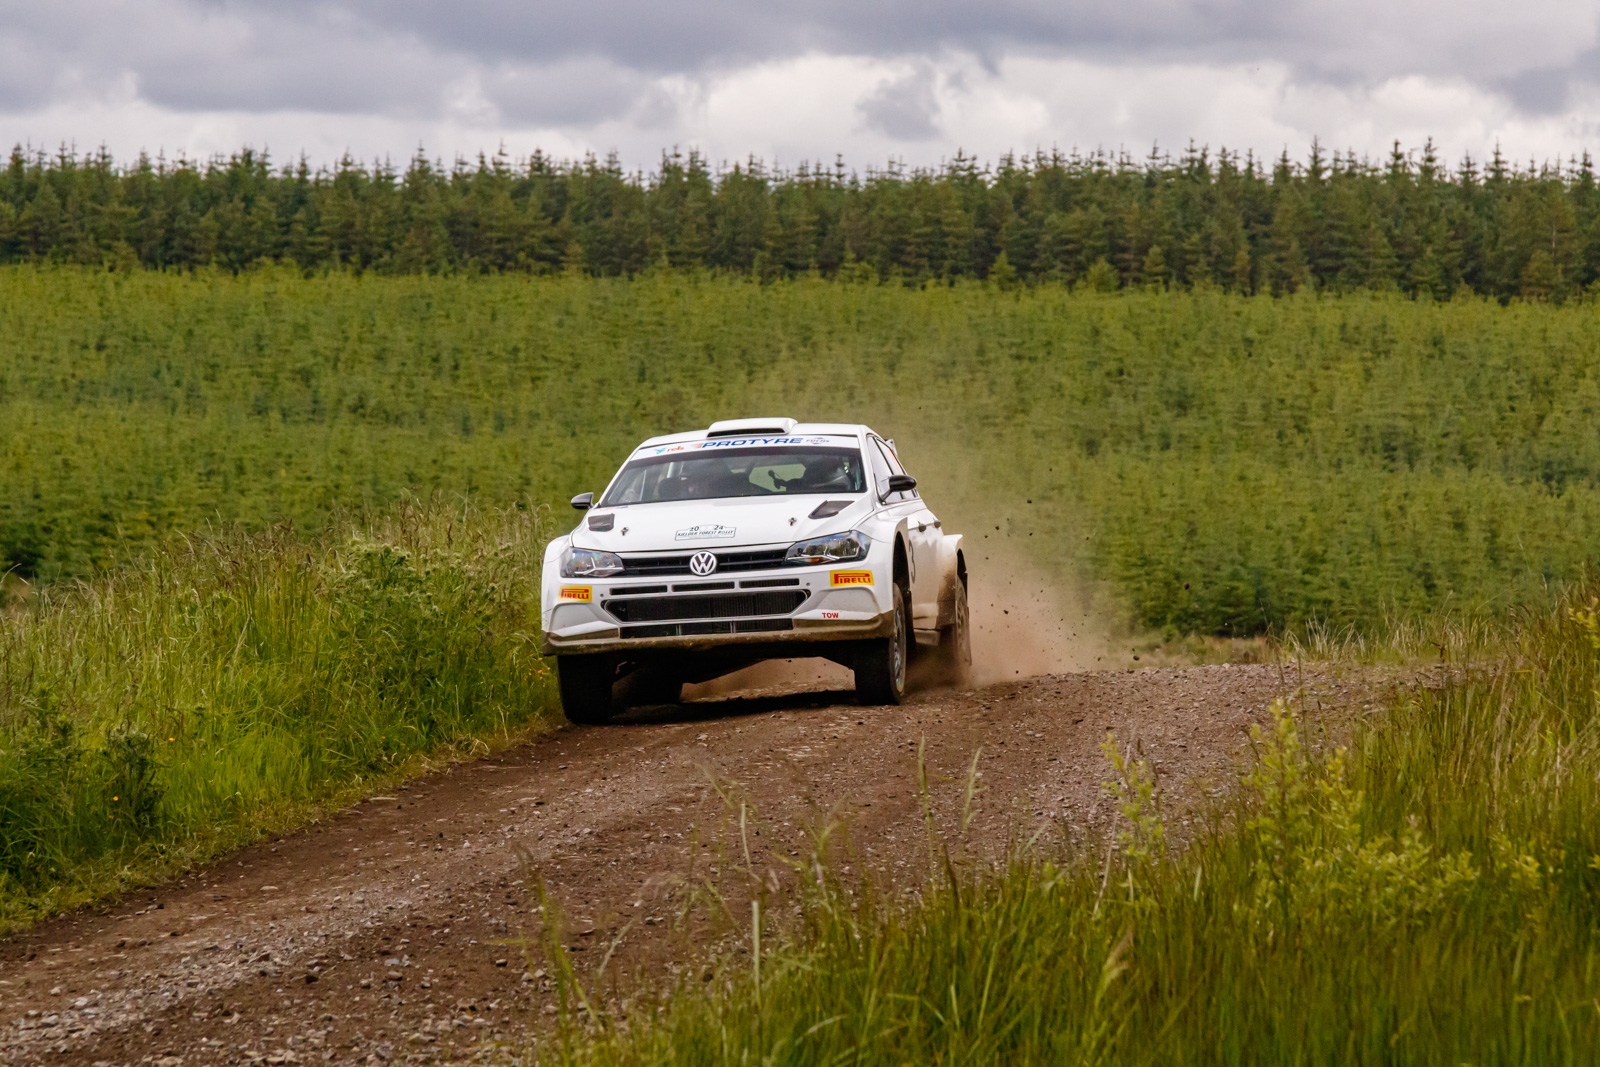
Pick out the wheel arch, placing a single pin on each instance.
(902, 565)
(952, 572)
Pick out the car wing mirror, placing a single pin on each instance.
(585, 501)
(901, 483)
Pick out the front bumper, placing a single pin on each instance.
(778, 607)
(804, 631)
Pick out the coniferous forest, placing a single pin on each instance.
(1332, 222)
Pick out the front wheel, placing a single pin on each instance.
(881, 664)
(588, 685)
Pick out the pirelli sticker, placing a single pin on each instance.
(577, 592)
(850, 578)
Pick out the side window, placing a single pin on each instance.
(880, 469)
(883, 457)
(895, 467)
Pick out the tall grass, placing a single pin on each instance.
(180, 705)
(1223, 464)
(1431, 894)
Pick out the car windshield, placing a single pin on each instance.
(746, 472)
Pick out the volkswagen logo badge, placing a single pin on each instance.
(702, 563)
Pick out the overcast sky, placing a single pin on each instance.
(870, 80)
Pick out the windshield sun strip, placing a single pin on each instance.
(736, 474)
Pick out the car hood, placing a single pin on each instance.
(717, 524)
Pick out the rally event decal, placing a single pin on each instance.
(705, 531)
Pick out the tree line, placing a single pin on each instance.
(1333, 221)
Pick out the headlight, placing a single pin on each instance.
(835, 548)
(582, 563)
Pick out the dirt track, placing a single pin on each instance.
(387, 933)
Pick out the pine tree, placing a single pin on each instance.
(1153, 271)
(1001, 272)
(1241, 277)
(1102, 276)
(1539, 277)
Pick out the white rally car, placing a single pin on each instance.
(756, 539)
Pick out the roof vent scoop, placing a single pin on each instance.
(752, 427)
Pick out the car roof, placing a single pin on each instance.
(800, 429)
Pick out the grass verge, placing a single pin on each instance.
(1429, 894)
(235, 683)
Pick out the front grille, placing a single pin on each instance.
(678, 563)
(718, 606)
(696, 629)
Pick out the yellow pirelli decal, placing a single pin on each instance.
(577, 592)
(850, 578)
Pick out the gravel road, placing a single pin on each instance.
(389, 932)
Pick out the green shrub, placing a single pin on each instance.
(190, 700)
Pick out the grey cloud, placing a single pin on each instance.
(698, 34)
(1542, 92)
(1547, 90)
(905, 108)
(1375, 38)
(567, 92)
(189, 56)
(327, 78)
(25, 80)
(549, 62)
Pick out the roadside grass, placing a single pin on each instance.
(232, 684)
(1429, 894)
(1214, 464)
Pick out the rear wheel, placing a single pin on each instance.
(881, 664)
(587, 686)
(955, 642)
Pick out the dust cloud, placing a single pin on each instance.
(1023, 625)
(781, 675)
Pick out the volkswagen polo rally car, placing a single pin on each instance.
(755, 539)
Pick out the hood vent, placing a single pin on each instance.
(828, 508)
(602, 523)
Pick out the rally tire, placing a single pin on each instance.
(881, 664)
(955, 643)
(588, 685)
